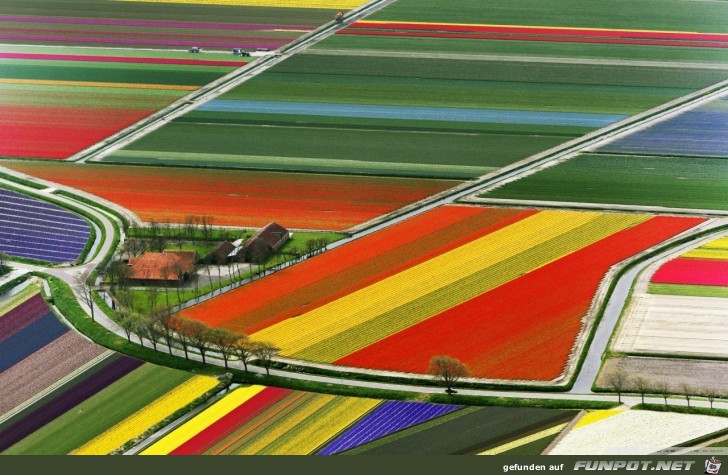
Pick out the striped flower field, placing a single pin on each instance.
(444, 283)
(60, 393)
(240, 198)
(265, 420)
(102, 92)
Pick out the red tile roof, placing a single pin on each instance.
(167, 265)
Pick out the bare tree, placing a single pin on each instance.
(179, 272)
(127, 324)
(182, 331)
(206, 222)
(641, 385)
(265, 352)
(618, 381)
(199, 335)
(166, 281)
(663, 389)
(3, 262)
(166, 327)
(687, 391)
(139, 326)
(87, 297)
(447, 370)
(224, 341)
(154, 331)
(711, 394)
(152, 299)
(243, 349)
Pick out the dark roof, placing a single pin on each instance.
(271, 235)
(221, 251)
(150, 265)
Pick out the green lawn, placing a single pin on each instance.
(629, 180)
(102, 411)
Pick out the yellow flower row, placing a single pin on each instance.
(596, 416)
(477, 283)
(440, 283)
(320, 426)
(152, 414)
(202, 421)
(524, 440)
(719, 254)
(333, 4)
(281, 426)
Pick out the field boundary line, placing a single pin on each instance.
(217, 87)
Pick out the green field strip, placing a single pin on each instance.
(295, 164)
(497, 71)
(101, 412)
(524, 48)
(681, 15)
(346, 145)
(626, 180)
(532, 448)
(513, 95)
(93, 97)
(118, 52)
(92, 72)
(688, 290)
(470, 431)
(292, 120)
(164, 70)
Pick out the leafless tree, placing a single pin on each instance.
(687, 391)
(180, 326)
(224, 341)
(3, 262)
(711, 394)
(166, 326)
(447, 370)
(618, 381)
(641, 385)
(199, 334)
(243, 349)
(206, 222)
(154, 330)
(265, 352)
(127, 324)
(87, 297)
(663, 389)
(152, 299)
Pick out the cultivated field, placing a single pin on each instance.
(355, 106)
(699, 374)
(240, 198)
(39, 230)
(636, 433)
(266, 420)
(444, 283)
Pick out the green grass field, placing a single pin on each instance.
(100, 412)
(688, 290)
(700, 183)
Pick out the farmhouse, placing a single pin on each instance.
(265, 242)
(170, 267)
(221, 254)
